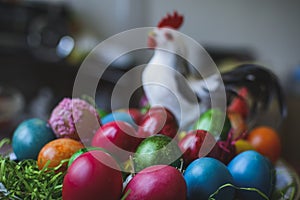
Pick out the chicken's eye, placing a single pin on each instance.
(169, 36)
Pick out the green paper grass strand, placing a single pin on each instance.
(211, 197)
(126, 195)
(4, 141)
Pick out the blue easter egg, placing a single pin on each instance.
(204, 176)
(252, 170)
(30, 137)
(118, 116)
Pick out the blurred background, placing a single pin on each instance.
(43, 43)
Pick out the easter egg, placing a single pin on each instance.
(252, 170)
(266, 141)
(242, 145)
(117, 137)
(196, 144)
(206, 122)
(29, 138)
(56, 151)
(157, 150)
(74, 118)
(204, 176)
(158, 120)
(134, 113)
(93, 175)
(118, 116)
(159, 182)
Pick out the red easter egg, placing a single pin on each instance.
(159, 182)
(117, 137)
(195, 144)
(93, 175)
(158, 120)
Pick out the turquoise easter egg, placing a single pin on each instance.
(30, 137)
(204, 177)
(118, 116)
(250, 169)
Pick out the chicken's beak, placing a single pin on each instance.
(151, 40)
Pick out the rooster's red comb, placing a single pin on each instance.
(171, 21)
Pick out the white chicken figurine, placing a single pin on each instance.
(162, 78)
(170, 82)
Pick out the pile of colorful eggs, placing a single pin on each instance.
(128, 154)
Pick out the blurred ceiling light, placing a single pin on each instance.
(65, 46)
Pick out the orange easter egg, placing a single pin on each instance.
(56, 151)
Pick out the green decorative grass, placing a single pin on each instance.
(23, 179)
